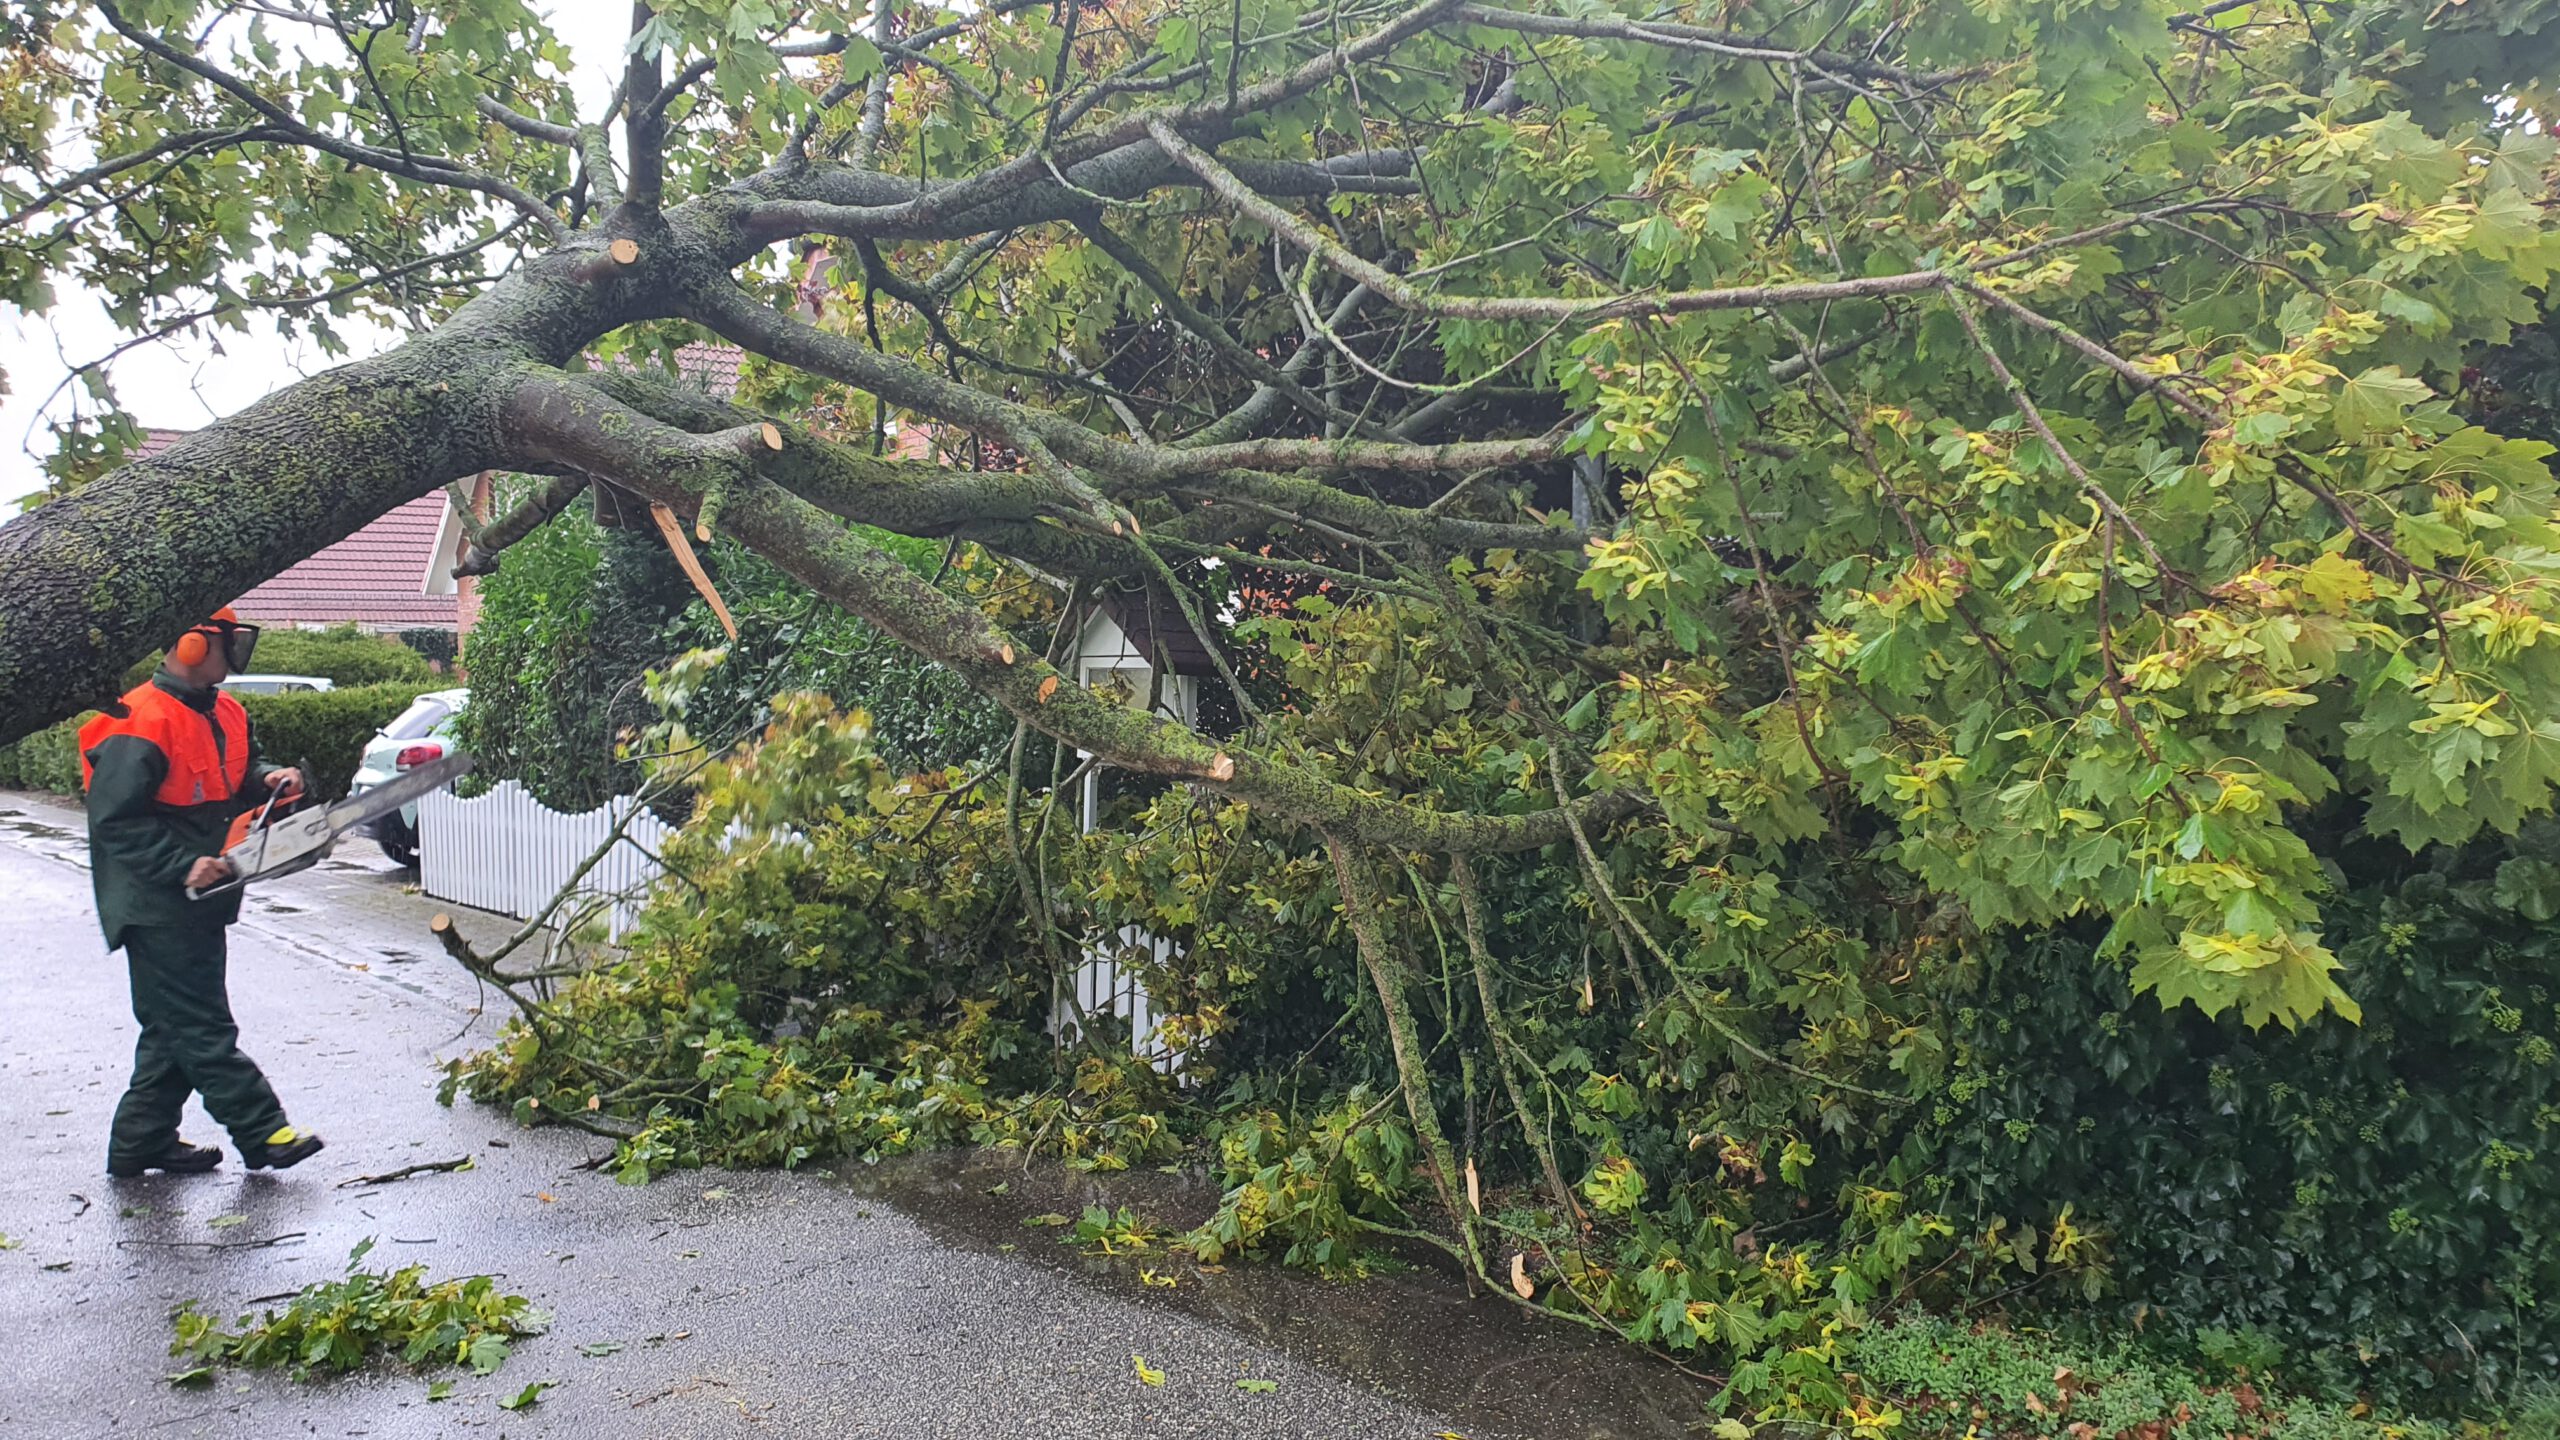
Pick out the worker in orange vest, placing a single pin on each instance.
(166, 780)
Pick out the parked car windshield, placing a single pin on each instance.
(419, 720)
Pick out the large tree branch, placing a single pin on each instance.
(1024, 515)
(850, 203)
(644, 122)
(1192, 318)
(1246, 201)
(549, 132)
(1266, 402)
(923, 214)
(557, 421)
(123, 564)
(735, 316)
(1822, 64)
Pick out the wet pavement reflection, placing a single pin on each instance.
(1413, 1334)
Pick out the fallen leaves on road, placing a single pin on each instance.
(1147, 1374)
(225, 1222)
(441, 1390)
(528, 1397)
(1257, 1387)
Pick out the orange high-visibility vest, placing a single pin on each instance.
(200, 771)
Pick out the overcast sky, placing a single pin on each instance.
(185, 383)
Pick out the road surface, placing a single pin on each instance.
(901, 1301)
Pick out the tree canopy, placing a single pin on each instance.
(2023, 441)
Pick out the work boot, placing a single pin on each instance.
(283, 1150)
(180, 1158)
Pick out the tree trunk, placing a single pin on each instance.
(94, 580)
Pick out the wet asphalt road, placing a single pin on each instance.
(903, 1301)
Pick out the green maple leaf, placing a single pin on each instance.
(2374, 400)
(2520, 161)
(485, 1354)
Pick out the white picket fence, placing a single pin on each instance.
(1103, 988)
(508, 852)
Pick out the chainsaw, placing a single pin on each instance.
(275, 839)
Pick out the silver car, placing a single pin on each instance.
(421, 733)
(278, 684)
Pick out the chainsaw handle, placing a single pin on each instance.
(239, 878)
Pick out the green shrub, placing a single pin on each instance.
(342, 653)
(851, 979)
(326, 730)
(538, 691)
(2537, 1412)
(2385, 1197)
(49, 759)
(547, 698)
(437, 647)
(2001, 1131)
(1923, 1377)
(1314, 1192)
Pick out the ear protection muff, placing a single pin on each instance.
(237, 641)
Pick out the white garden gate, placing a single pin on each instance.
(508, 852)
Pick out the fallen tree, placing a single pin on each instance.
(2012, 456)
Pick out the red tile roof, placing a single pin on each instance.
(375, 577)
(711, 366)
(154, 441)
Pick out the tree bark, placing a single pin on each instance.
(93, 581)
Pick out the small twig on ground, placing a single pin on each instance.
(431, 1167)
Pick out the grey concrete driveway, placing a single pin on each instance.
(900, 1301)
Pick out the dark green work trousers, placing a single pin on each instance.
(189, 1043)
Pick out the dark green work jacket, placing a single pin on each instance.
(164, 787)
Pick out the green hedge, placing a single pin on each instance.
(49, 759)
(342, 653)
(327, 729)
